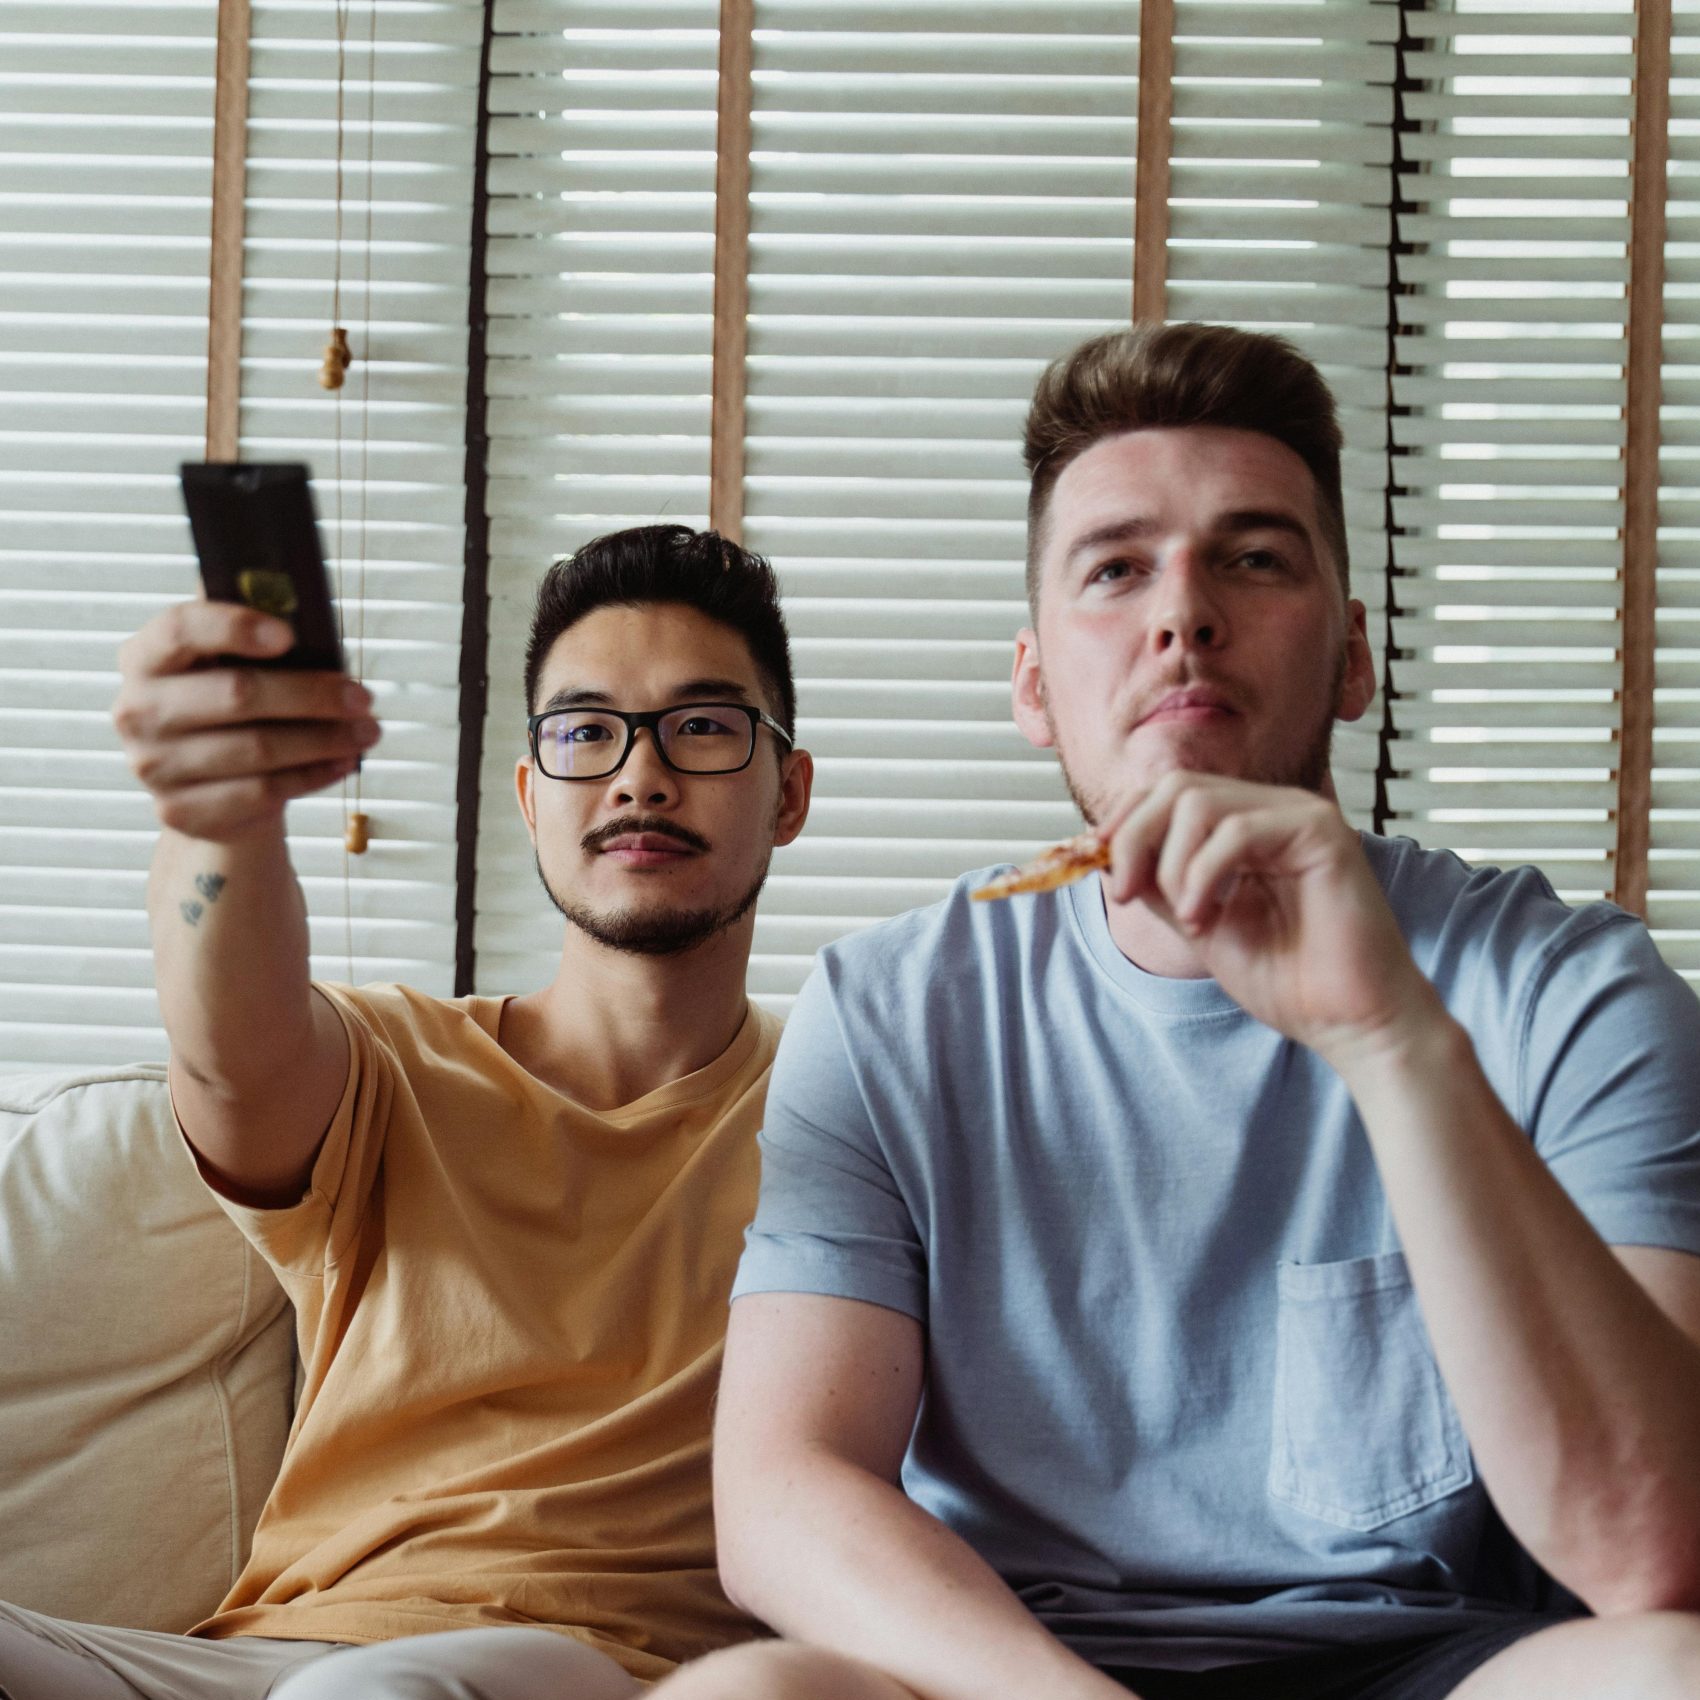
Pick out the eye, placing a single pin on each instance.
(1110, 572)
(704, 725)
(1261, 560)
(585, 732)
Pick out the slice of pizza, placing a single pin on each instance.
(1050, 868)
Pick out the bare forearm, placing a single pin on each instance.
(828, 1553)
(258, 1061)
(1578, 1394)
(230, 956)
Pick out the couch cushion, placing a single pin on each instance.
(146, 1359)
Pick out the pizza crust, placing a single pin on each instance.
(1060, 865)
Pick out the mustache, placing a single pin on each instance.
(1188, 678)
(610, 830)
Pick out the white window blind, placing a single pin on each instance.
(392, 514)
(105, 151)
(106, 133)
(601, 295)
(1511, 389)
(941, 202)
(1281, 219)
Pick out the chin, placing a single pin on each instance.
(664, 922)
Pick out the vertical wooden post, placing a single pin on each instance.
(1650, 148)
(731, 270)
(1151, 159)
(229, 189)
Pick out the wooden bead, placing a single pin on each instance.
(358, 834)
(338, 358)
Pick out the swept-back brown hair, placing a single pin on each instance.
(1177, 375)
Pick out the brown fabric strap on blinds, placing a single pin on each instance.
(1641, 447)
(1151, 159)
(229, 188)
(731, 270)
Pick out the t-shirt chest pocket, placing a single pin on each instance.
(1364, 1430)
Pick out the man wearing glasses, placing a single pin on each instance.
(509, 1225)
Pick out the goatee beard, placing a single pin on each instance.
(653, 932)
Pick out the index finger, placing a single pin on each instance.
(1137, 835)
(190, 633)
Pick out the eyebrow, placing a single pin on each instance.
(1229, 524)
(693, 690)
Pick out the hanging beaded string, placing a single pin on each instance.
(338, 357)
(358, 825)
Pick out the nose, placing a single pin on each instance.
(1189, 613)
(644, 779)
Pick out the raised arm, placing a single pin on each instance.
(258, 1060)
(816, 1538)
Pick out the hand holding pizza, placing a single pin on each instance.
(1271, 888)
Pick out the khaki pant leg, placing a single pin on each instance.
(47, 1658)
(465, 1664)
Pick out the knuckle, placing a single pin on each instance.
(129, 717)
(241, 692)
(177, 625)
(259, 748)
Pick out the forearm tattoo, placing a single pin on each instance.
(209, 886)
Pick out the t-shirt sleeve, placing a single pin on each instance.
(301, 1239)
(832, 1219)
(1609, 1087)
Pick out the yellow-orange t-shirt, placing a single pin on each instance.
(511, 1312)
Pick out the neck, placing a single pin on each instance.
(613, 1026)
(1149, 942)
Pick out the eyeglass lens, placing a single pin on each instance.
(583, 744)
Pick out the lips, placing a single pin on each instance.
(633, 842)
(644, 843)
(1190, 703)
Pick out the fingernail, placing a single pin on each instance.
(366, 732)
(356, 698)
(275, 634)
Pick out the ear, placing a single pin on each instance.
(1357, 684)
(796, 786)
(1027, 691)
(525, 781)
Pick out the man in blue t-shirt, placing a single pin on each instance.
(1268, 1269)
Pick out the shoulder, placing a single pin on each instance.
(405, 1019)
(939, 950)
(1445, 902)
(1502, 936)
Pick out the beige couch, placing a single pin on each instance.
(146, 1359)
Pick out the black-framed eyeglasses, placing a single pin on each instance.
(695, 737)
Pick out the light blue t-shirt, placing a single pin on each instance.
(1178, 1390)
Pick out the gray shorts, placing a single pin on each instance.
(1426, 1669)
(46, 1658)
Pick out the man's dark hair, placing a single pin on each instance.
(1176, 375)
(669, 563)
